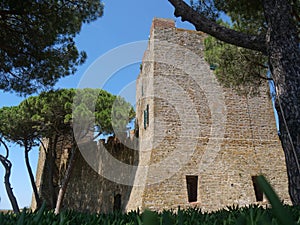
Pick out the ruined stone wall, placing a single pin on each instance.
(52, 162)
(198, 128)
(88, 190)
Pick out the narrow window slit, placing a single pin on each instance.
(117, 202)
(258, 193)
(192, 187)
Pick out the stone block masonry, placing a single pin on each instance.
(87, 190)
(202, 144)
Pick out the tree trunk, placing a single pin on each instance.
(32, 180)
(66, 179)
(7, 165)
(51, 166)
(284, 61)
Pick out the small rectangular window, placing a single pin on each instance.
(117, 202)
(258, 193)
(146, 117)
(192, 187)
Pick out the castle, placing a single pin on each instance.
(200, 144)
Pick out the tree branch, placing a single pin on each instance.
(6, 148)
(98, 135)
(264, 78)
(222, 33)
(43, 145)
(253, 61)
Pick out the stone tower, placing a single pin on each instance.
(200, 144)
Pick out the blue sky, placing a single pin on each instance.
(123, 22)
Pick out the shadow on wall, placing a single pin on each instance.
(87, 190)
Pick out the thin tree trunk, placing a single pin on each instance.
(32, 180)
(51, 195)
(7, 165)
(66, 180)
(51, 161)
(284, 61)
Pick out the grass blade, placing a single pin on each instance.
(281, 213)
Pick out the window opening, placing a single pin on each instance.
(146, 117)
(258, 193)
(117, 202)
(192, 187)
(147, 109)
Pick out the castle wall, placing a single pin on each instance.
(53, 159)
(88, 190)
(200, 144)
(200, 130)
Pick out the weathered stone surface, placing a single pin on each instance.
(197, 127)
(88, 191)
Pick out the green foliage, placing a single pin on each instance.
(245, 15)
(37, 41)
(206, 8)
(236, 67)
(95, 110)
(56, 111)
(17, 126)
(280, 212)
(252, 215)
